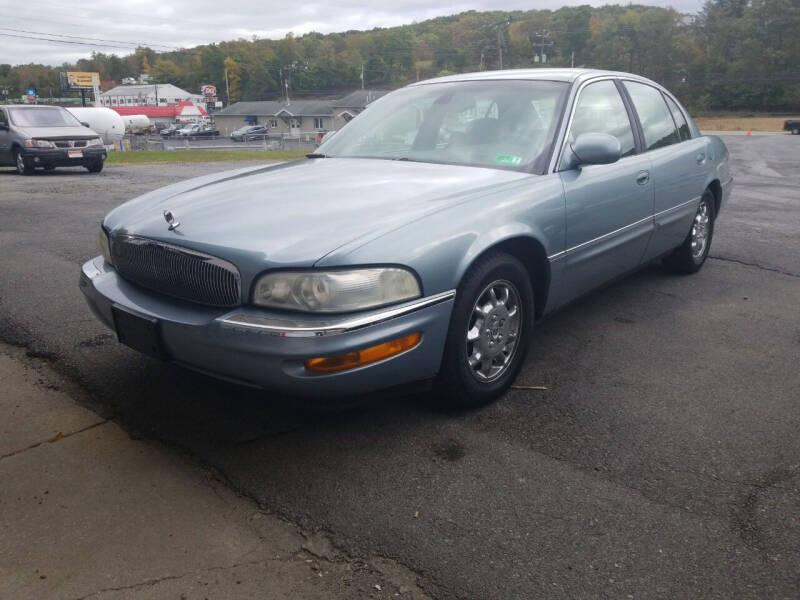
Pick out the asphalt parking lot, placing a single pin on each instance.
(662, 461)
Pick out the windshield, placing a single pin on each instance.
(39, 116)
(505, 124)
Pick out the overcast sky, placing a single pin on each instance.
(165, 25)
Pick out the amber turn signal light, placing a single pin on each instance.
(350, 360)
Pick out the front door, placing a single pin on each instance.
(609, 208)
(294, 126)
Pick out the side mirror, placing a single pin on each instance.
(85, 124)
(595, 149)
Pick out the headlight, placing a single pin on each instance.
(103, 245)
(39, 144)
(95, 142)
(335, 291)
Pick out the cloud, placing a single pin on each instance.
(185, 23)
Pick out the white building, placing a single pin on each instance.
(145, 95)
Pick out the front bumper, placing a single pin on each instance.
(59, 157)
(266, 350)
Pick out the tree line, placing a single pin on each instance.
(732, 55)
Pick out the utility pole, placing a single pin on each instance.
(362, 75)
(572, 61)
(499, 30)
(500, 47)
(544, 41)
(227, 88)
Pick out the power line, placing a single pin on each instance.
(43, 39)
(83, 37)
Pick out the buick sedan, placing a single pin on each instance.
(421, 242)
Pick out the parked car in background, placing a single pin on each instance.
(421, 242)
(792, 125)
(197, 130)
(172, 129)
(47, 137)
(250, 132)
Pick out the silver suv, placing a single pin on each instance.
(47, 137)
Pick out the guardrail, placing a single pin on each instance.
(285, 141)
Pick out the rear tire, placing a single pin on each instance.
(24, 166)
(690, 256)
(490, 330)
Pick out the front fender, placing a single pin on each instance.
(441, 246)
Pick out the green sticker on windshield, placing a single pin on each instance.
(508, 159)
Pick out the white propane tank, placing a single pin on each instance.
(104, 121)
(137, 123)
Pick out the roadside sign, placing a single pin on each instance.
(209, 91)
(79, 80)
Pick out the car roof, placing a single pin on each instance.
(566, 75)
(32, 106)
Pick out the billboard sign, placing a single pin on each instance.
(79, 80)
(209, 91)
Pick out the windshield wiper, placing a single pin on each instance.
(316, 155)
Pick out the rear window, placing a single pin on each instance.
(680, 120)
(38, 116)
(657, 124)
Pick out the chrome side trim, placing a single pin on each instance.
(609, 234)
(557, 255)
(298, 328)
(677, 206)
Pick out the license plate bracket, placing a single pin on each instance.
(138, 332)
(75, 153)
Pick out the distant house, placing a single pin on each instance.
(297, 117)
(147, 95)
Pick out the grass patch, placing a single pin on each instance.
(178, 156)
(741, 122)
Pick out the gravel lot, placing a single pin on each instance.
(663, 461)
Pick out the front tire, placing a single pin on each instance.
(490, 330)
(690, 256)
(24, 167)
(95, 167)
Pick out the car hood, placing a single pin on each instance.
(293, 214)
(52, 133)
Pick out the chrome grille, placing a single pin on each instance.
(69, 143)
(176, 271)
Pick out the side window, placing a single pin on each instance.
(600, 110)
(3, 118)
(680, 120)
(657, 124)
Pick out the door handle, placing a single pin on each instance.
(701, 158)
(643, 177)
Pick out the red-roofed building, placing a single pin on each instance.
(182, 110)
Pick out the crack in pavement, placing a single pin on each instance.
(157, 580)
(756, 265)
(58, 437)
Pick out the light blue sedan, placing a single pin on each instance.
(421, 242)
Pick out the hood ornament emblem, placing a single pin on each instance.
(173, 224)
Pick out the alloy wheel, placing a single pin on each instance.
(700, 229)
(493, 330)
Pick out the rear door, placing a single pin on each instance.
(609, 208)
(679, 165)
